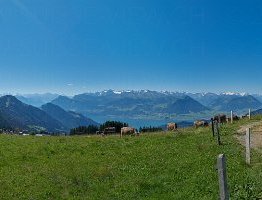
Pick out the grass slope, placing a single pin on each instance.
(158, 166)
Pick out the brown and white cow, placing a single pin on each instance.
(200, 123)
(127, 131)
(171, 126)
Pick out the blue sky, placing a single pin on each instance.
(74, 46)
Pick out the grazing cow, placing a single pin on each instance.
(200, 123)
(235, 118)
(127, 131)
(221, 118)
(171, 126)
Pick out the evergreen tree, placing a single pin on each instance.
(84, 130)
(117, 124)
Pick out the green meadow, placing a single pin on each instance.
(173, 165)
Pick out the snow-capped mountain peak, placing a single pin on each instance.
(235, 93)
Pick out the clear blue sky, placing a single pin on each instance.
(74, 46)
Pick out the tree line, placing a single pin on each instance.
(150, 129)
(91, 129)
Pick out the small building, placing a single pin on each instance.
(110, 130)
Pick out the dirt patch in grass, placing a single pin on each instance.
(256, 134)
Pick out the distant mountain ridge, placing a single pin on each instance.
(204, 98)
(68, 119)
(235, 102)
(130, 103)
(163, 105)
(65, 112)
(186, 105)
(37, 100)
(15, 114)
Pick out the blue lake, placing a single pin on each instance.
(142, 122)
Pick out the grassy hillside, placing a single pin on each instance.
(158, 166)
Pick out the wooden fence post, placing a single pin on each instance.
(222, 175)
(248, 150)
(231, 117)
(213, 128)
(249, 113)
(218, 134)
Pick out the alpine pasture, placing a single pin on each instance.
(165, 165)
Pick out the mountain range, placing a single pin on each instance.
(61, 113)
(69, 119)
(137, 103)
(130, 103)
(36, 100)
(17, 115)
(235, 103)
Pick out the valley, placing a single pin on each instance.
(137, 108)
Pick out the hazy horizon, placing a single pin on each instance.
(128, 90)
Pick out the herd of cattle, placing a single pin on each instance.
(221, 118)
